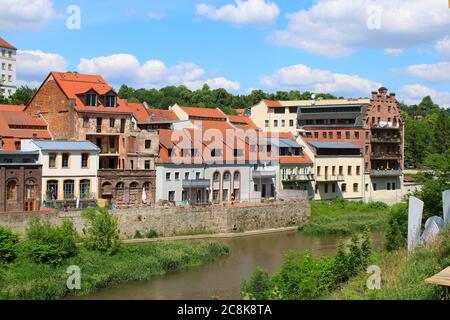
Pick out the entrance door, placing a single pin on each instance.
(29, 205)
(263, 190)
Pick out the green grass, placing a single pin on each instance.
(402, 275)
(26, 280)
(194, 232)
(345, 217)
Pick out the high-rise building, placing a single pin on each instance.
(8, 83)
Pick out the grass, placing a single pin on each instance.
(402, 275)
(194, 232)
(345, 217)
(23, 279)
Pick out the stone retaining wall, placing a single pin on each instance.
(175, 221)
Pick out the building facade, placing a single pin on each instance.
(8, 80)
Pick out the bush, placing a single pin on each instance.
(397, 228)
(102, 232)
(8, 241)
(50, 244)
(151, 234)
(258, 286)
(137, 235)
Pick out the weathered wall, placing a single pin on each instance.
(171, 221)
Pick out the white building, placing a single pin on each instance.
(69, 168)
(8, 81)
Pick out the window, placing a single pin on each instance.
(393, 185)
(356, 135)
(110, 101)
(3, 66)
(85, 187)
(99, 124)
(330, 135)
(52, 160)
(197, 175)
(84, 160)
(147, 164)
(255, 187)
(52, 190)
(11, 191)
(367, 135)
(318, 170)
(177, 176)
(292, 109)
(344, 187)
(388, 185)
(148, 144)
(355, 187)
(291, 123)
(236, 176)
(283, 123)
(65, 160)
(9, 78)
(68, 189)
(347, 135)
(216, 197)
(333, 187)
(85, 122)
(226, 176)
(112, 122)
(91, 100)
(266, 123)
(366, 166)
(186, 176)
(349, 170)
(333, 170)
(389, 109)
(216, 177)
(171, 196)
(279, 110)
(10, 67)
(167, 176)
(374, 187)
(326, 187)
(122, 125)
(324, 135)
(366, 188)
(358, 170)
(366, 150)
(275, 123)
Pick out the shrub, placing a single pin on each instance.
(50, 244)
(341, 271)
(151, 234)
(377, 205)
(137, 235)
(397, 228)
(102, 232)
(8, 241)
(355, 259)
(258, 286)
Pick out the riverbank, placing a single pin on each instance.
(24, 279)
(345, 217)
(402, 275)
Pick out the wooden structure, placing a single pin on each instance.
(442, 278)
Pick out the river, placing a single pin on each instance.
(224, 276)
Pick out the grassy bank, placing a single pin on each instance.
(24, 279)
(402, 275)
(345, 217)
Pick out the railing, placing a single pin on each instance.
(338, 177)
(264, 174)
(386, 155)
(385, 126)
(386, 139)
(197, 183)
(386, 173)
(300, 177)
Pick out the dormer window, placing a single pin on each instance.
(110, 101)
(91, 100)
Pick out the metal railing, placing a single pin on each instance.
(386, 173)
(196, 183)
(300, 177)
(385, 139)
(386, 155)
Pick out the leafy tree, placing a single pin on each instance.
(22, 95)
(397, 227)
(441, 132)
(102, 232)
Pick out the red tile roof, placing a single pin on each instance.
(272, 103)
(6, 44)
(203, 112)
(243, 122)
(12, 107)
(139, 111)
(16, 124)
(159, 115)
(74, 85)
(303, 159)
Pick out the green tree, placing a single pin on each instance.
(441, 132)
(8, 242)
(258, 286)
(22, 95)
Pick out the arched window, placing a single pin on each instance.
(120, 186)
(236, 176)
(344, 187)
(11, 190)
(134, 192)
(216, 177)
(226, 176)
(147, 186)
(85, 189)
(52, 190)
(355, 187)
(69, 188)
(134, 185)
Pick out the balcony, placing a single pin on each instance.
(196, 183)
(385, 139)
(386, 155)
(264, 173)
(385, 125)
(299, 177)
(386, 173)
(330, 178)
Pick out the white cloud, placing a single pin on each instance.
(155, 15)
(414, 93)
(443, 47)
(125, 68)
(393, 52)
(335, 28)
(25, 14)
(302, 77)
(435, 72)
(34, 65)
(254, 12)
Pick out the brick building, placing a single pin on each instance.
(84, 107)
(20, 181)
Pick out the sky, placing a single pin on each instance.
(344, 47)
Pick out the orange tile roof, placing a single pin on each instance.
(159, 115)
(6, 44)
(242, 121)
(303, 159)
(203, 112)
(12, 107)
(139, 111)
(74, 85)
(272, 103)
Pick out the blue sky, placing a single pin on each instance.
(339, 46)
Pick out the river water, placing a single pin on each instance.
(224, 276)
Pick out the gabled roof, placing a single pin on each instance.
(74, 85)
(139, 111)
(161, 115)
(204, 112)
(243, 122)
(6, 44)
(65, 145)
